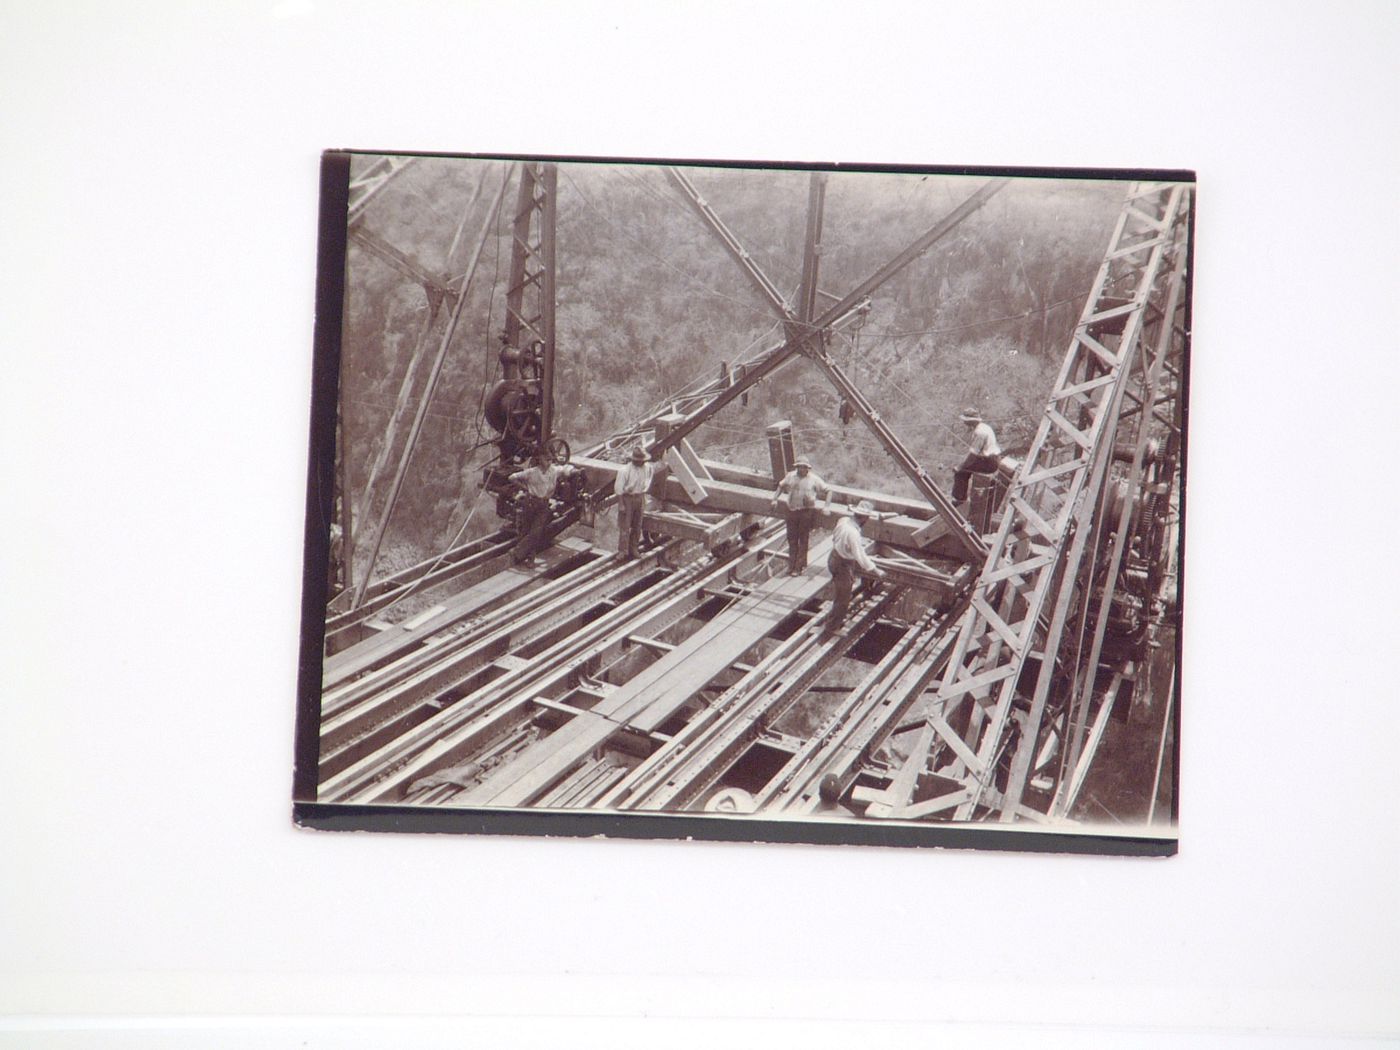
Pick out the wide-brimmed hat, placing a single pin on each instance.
(863, 509)
(971, 415)
(802, 463)
(638, 456)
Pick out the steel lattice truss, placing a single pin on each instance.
(1021, 601)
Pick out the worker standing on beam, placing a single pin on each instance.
(633, 484)
(848, 557)
(539, 482)
(802, 488)
(983, 456)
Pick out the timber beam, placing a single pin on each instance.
(730, 497)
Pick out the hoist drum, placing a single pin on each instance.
(501, 401)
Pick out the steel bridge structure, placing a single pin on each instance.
(977, 683)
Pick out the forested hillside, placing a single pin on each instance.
(648, 301)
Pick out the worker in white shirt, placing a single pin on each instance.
(848, 557)
(802, 487)
(983, 456)
(632, 485)
(539, 482)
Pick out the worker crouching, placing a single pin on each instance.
(983, 455)
(848, 557)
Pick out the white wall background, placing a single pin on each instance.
(158, 175)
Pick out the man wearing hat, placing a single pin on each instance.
(982, 457)
(633, 483)
(802, 488)
(539, 482)
(847, 557)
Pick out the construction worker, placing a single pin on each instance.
(539, 482)
(983, 456)
(848, 557)
(633, 484)
(802, 487)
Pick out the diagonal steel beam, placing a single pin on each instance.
(812, 250)
(702, 208)
(412, 439)
(961, 529)
(721, 393)
(368, 183)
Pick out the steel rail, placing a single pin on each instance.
(366, 706)
(861, 722)
(699, 754)
(583, 575)
(453, 615)
(655, 695)
(453, 733)
(481, 716)
(412, 575)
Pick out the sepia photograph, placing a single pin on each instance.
(805, 503)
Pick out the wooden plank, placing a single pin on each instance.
(1117, 311)
(681, 471)
(902, 786)
(849, 495)
(974, 682)
(1154, 221)
(1104, 354)
(688, 527)
(727, 496)
(692, 460)
(1134, 249)
(934, 805)
(1080, 389)
(1014, 568)
(422, 618)
(1086, 757)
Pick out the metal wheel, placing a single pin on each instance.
(558, 450)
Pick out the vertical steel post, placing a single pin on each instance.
(812, 253)
(531, 293)
(549, 185)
